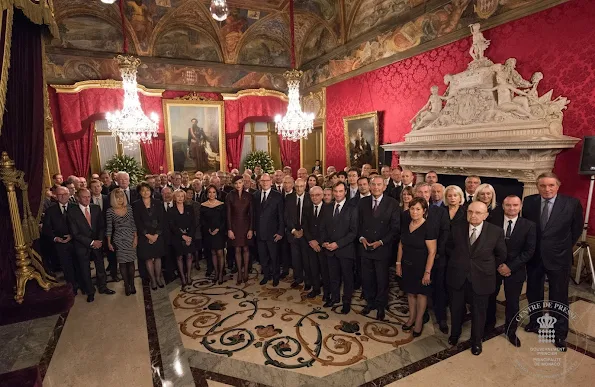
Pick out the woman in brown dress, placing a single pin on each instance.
(239, 225)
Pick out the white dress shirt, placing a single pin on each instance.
(98, 200)
(506, 219)
(377, 200)
(477, 228)
(167, 205)
(265, 193)
(341, 204)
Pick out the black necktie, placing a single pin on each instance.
(336, 210)
(470, 199)
(64, 209)
(316, 212)
(509, 229)
(264, 197)
(299, 202)
(375, 205)
(545, 214)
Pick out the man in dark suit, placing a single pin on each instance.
(440, 221)
(87, 228)
(103, 202)
(285, 260)
(521, 236)
(317, 259)
(379, 227)
(394, 186)
(123, 179)
(55, 228)
(559, 221)
(478, 248)
(471, 184)
(156, 194)
(269, 227)
(296, 205)
(338, 233)
(352, 181)
(278, 181)
(107, 183)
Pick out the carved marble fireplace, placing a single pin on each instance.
(493, 124)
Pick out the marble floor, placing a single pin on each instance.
(252, 335)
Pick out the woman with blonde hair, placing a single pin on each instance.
(122, 237)
(454, 199)
(182, 227)
(486, 194)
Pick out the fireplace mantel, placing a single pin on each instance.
(490, 122)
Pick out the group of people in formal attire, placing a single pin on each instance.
(335, 234)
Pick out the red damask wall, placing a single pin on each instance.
(559, 42)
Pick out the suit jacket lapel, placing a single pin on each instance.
(556, 211)
(480, 239)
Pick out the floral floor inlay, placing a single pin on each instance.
(281, 327)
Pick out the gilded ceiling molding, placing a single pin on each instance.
(105, 84)
(254, 93)
(194, 96)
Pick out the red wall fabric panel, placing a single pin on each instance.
(558, 42)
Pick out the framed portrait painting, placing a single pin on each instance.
(361, 140)
(194, 135)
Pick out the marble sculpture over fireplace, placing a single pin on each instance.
(489, 122)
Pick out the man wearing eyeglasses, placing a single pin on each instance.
(520, 235)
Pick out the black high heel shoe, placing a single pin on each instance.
(407, 328)
(417, 334)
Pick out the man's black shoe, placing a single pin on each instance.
(476, 349)
(276, 282)
(345, 309)
(328, 304)
(367, 309)
(380, 315)
(453, 340)
(90, 298)
(313, 294)
(264, 281)
(107, 291)
(443, 327)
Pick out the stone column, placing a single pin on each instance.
(529, 188)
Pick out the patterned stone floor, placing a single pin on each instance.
(280, 327)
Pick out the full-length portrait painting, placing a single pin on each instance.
(361, 140)
(195, 135)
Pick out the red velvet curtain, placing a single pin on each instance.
(22, 132)
(252, 108)
(73, 114)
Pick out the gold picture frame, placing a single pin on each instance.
(368, 123)
(178, 115)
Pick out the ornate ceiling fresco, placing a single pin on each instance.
(181, 46)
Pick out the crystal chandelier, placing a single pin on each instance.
(296, 124)
(131, 124)
(219, 9)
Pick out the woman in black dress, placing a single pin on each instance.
(213, 230)
(454, 199)
(415, 259)
(190, 195)
(182, 228)
(151, 226)
(239, 226)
